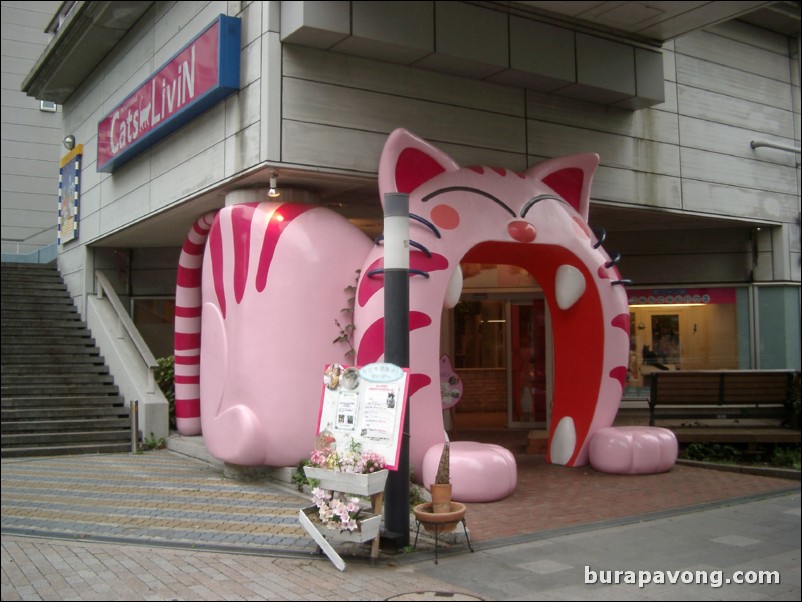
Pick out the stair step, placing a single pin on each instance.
(35, 380)
(33, 370)
(13, 345)
(48, 325)
(76, 338)
(29, 439)
(65, 450)
(43, 360)
(41, 390)
(41, 336)
(62, 413)
(15, 280)
(12, 291)
(74, 425)
(40, 313)
(50, 351)
(61, 401)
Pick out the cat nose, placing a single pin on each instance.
(521, 231)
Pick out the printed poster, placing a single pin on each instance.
(366, 405)
(69, 192)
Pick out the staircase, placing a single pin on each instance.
(57, 394)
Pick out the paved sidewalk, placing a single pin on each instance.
(164, 526)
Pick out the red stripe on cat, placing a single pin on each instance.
(187, 312)
(216, 252)
(281, 218)
(371, 346)
(241, 220)
(184, 340)
(417, 261)
(189, 408)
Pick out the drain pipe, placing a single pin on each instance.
(134, 426)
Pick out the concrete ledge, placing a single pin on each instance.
(763, 471)
(192, 447)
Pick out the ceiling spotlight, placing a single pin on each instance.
(273, 192)
(69, 142)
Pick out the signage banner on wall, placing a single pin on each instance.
(200, 75)
(69, 194)
(665, 296)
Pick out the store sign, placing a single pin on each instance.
(203, 73)
(683, 296)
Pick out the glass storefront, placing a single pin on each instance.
(685, 329)
(501, 346)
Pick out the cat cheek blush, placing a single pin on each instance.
(445, 217)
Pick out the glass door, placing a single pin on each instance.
(528, 365)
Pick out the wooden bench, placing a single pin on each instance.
(726, 406)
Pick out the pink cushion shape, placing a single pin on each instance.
(633, 450)
(480, 472)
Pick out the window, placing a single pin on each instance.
(47, 106)
(685, 329)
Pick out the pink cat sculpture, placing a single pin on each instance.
(256, 303)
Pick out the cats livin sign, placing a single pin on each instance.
(199, 76)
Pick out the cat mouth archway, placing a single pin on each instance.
(578, 330)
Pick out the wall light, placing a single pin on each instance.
(273, 192)
(69, 142)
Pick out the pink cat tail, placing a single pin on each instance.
(188, 327)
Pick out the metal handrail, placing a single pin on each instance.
(124, 322)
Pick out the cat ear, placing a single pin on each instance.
(408, 161)
(570, 177)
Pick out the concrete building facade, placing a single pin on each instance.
(695, 113)
(31, 133)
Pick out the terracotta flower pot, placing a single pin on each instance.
(439, 522)
(441, 497)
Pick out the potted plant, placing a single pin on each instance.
(441, 515)
(441, 488)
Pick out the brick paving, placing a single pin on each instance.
(163, 526)
(168, 499)
(554, 497)
(160, 497)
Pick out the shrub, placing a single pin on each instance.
(165, 378)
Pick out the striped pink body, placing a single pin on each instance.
(255, 322)
(272, 284)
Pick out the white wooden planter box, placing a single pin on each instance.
(349, 482)
(368, 526)
(368, 529)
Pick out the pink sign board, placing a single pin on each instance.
(365, 406)
(200, 75)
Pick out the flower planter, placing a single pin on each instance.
(368, 529)
(358, 484)
(439, 522)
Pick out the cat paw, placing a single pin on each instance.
(633, 450)
(235, 436)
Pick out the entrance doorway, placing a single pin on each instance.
(502, 354)
(527, 407)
